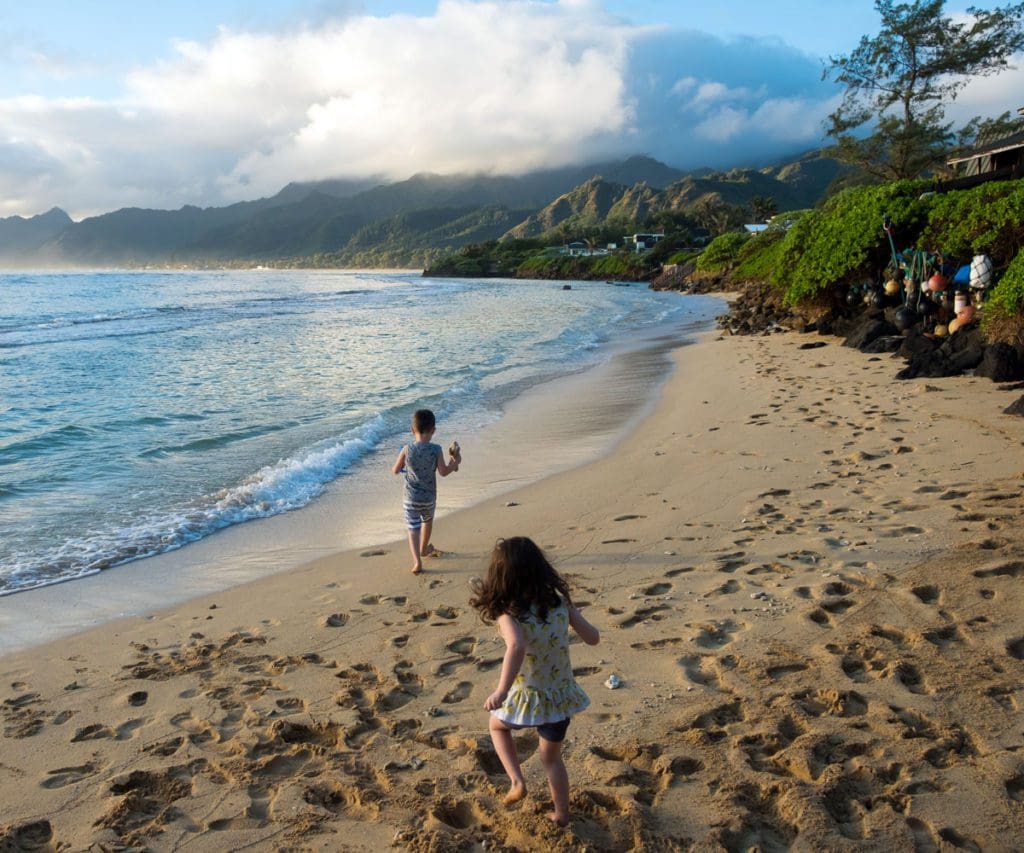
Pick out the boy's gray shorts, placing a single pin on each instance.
(416, 515)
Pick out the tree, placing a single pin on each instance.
(903, 78)
(763, 208)
(715, 215)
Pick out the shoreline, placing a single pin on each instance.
(803, 574)
(357, 511)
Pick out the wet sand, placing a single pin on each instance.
(807, 578)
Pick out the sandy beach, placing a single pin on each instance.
(806, 575)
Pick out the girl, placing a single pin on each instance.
(530, 602)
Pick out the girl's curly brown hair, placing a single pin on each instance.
(519, 579)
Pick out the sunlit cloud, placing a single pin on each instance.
(503, 87)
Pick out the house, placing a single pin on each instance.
(579, 249)
(643, 242)
(756, 227)
(994, 160)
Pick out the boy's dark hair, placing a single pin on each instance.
(518, 579)
(423, 420)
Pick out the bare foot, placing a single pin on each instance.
(431, 551)
(558, 821)
(417, 570)
(515, 793)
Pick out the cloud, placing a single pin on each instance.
(497, 86)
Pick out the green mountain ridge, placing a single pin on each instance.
(343, 222)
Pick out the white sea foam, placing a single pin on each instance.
(285, 485)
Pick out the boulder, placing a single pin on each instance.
(964, 339)
(886, 343)
(1015, 408)
(916, 344)
(967, 359)
(867, 331)
(932, 364)
(1000, 364)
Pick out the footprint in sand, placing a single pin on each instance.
(463, 646)
(927, 594)
(1015, 648)
(96, 731)
(716, 635)
(458, 694)
(1010, 569)
(780, 671)
(374, 552)
(702, 669)
(643, 614)
(64, 776)
(657, 589)
(944, 637)
(336, 620)
(657, 644)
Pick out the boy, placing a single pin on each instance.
(419, 461)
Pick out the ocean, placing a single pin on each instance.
(144, 411)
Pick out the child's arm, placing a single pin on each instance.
(399, 463)
(446, 468)
(515, 651)
(588, 633)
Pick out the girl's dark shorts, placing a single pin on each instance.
(554, 732)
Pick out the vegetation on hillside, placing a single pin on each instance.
(816, 254)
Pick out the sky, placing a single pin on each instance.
(110, 103)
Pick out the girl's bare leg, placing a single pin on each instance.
(501, 737)
(558, 780)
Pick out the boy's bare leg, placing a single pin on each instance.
(558, 780)
(501, 737)
(427, 549)
(414, 546)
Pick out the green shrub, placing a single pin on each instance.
(1007, 299)
(763, 253)
(722, 252)
(683, 256)
(845, 237)
(986, 219)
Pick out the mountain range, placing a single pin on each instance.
(342, 223)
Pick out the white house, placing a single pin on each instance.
(643, 242)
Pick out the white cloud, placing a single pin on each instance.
(990, 96)
(481, 85)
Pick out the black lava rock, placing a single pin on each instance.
(1000, 364)
(867, 331)
(915, 344)
(931, 365)
(886, 343)
(968, 359)
(1015, 408)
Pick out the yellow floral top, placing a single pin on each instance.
(545, 690)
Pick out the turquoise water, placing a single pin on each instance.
(140, 412)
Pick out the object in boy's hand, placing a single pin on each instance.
(455, 451)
